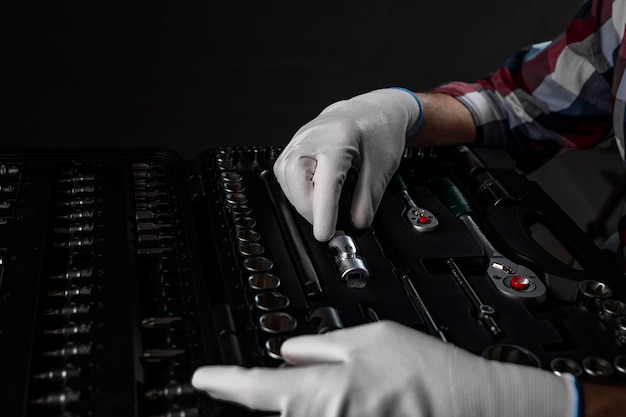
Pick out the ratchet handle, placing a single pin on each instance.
(450, 196)
(396, 184)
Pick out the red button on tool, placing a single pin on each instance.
(519, 282)
(423, 219)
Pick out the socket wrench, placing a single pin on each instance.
(419, 218)
(508, 277)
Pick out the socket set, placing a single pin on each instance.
(123, 271)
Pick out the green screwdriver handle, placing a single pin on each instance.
(450, 196)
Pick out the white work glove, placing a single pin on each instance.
(388, 370)
(367, 132)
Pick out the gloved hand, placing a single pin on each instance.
(388, 370)
(367, 132)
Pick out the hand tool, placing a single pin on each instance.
(484, 312)
(303, 264)
(349, 264)
(421, 219)
(509, 277)
(419, 304)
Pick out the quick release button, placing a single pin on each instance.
(520, 283)
(423, 219)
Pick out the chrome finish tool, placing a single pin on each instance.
(509, 277)
(484, 312)
(421, 219)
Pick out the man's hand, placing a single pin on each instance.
(367, 132)
(385, 369)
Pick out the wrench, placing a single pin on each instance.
(485, 312)
(421, 219)
(510, 278)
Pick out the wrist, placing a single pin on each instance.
(412, 130)
(446, 122)
(606, 400)
(518, 390)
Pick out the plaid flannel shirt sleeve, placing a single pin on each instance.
(550, 95)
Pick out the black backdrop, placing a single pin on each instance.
(190, 74)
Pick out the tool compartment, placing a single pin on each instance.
(123, 271)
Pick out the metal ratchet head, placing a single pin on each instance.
(510, 278)
(516, 280)
(421, 219)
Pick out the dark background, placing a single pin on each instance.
(189, 75)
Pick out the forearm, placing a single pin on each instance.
(446, 122)
(603, 400)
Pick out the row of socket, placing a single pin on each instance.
(270, 303)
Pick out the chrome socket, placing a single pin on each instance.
(511, 354)
(597, 368)
(263, 281)
(277, 322)
(349, 264)
(271, 301)
(591, 293)
(562, 366)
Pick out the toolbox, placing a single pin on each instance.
(122, 271)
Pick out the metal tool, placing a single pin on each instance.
(64, 397)
(509, 277)
(508, 353)
(303, 264)
(74, 274)
(420, 218)
(484, 312)
(70, 350)
(156, 322)
(419, 304)
(170, 391)
(561, 366)
(325, 319)
(597, 368)
(68, 310)
(58, 374)
(591, 293)
(349, 264)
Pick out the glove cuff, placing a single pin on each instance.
(504, 389)
(420, 117)
(577, 396)
(538, 392)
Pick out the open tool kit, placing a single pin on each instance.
(123, 271)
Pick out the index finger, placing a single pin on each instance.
(328, 181)
(294, 172)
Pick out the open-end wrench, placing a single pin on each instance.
(509, 277)
(421, 219)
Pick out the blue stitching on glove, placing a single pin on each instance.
(421, 116)
(578, 412)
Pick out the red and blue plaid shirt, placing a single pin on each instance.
(570, 92)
